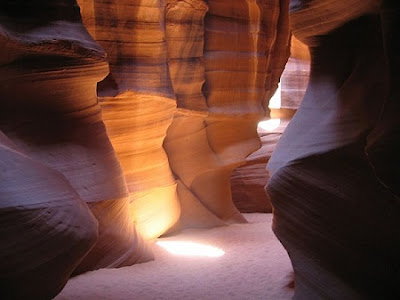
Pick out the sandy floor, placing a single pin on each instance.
(254, 266)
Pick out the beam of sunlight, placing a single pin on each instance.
(190, 248)
(269, 125)
(275, 101)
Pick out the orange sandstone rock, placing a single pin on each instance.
(49, 110)
(218, 62)
(138, 104)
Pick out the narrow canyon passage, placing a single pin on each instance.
(265, 131)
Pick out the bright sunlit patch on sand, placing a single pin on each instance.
(190, 249)
(269, 125)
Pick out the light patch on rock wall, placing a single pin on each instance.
(218, 62)
(138, 104)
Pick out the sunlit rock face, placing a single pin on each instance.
(180, 103)
(248, 181)
(217, 63)
(186, 143)
(294, 79)
(56, 155)
(244, 50)
(336, 216)
(138, 104)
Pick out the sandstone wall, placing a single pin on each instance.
(138, 104)
(335, 211)
(294, 78)
(218, 62)
(150, 149)
(57, 161)
(248, 181)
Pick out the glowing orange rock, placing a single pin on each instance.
(49, 111)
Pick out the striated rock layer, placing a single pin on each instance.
(186, 143)
(56, 154)
(138, 104)
(244, 50)
(294, 79)
(161, 55)
(248, 181)
(46, 229)
(188, 54)
(336, 215)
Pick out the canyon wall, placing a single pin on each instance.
(294, 79)
(239, 64)
(64, 205)
(90, 171)
(188, 83)
(248, 181)
(150, 149)
(138, 104)
(335, 210)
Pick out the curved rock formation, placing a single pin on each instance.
(168, 53)
(335, 217)
(384, 144)
(186, 142)
(49, 110)
(294, 79)
(138, 104)
(248, 181)
(185, 47)
(245, 49)
(316, 18)
(46, 229)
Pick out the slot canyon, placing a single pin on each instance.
(266, 124)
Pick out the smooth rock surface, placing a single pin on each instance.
(246, 45)
(248, 181)
(138, 104)
(46, 229)
(188, 54)
(49, 110)
(337, 219)
(294, 79)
